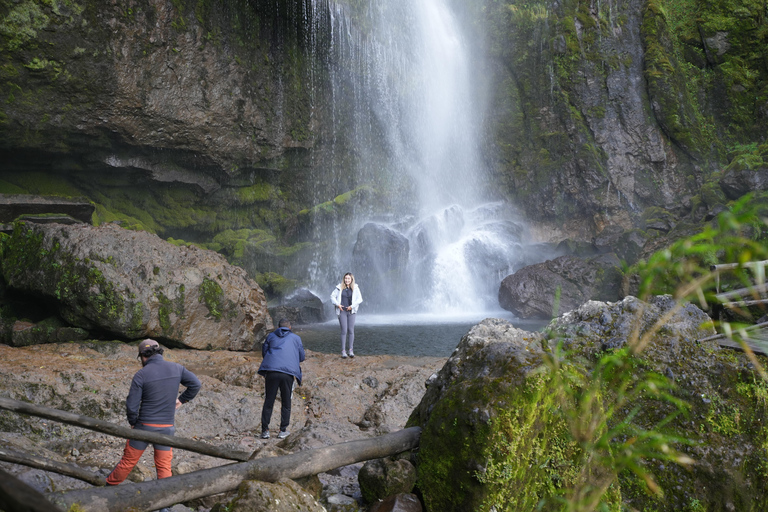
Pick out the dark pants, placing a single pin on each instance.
(272, 382)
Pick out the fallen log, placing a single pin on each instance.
(116, 430)
(34, 461)
(166, 492)
(16, 496)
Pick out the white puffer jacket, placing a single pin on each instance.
(357, 298)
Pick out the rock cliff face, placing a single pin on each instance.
(601, 109)
(202, 119)
(185, 92)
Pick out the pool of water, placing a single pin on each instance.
(404, 335)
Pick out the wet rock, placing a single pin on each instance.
(282, 496)
(736, 182)
(404, 502)
(629, 247)
(379, 261)
(341, 503)
(135, 285)
(302, 307)
(566, 282)
(93, 378)
(52, 331)
(380, 478)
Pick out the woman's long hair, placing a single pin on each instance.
(351, 283)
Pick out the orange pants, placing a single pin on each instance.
(132, 454)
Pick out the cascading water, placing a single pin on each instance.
(407, 94)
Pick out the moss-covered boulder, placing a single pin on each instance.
(491, 380)
(381, 478)
(282, 496)
(134, 285)
(496, 437)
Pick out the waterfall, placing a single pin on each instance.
(407, 105)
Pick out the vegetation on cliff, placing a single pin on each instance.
(568, 72)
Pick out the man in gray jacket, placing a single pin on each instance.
(151, 405)
(282, 351)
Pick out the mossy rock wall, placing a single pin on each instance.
(602, 109)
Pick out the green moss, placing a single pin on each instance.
(10, 188)
(212, 295)
(32, 258)
(275, 285)
(22, 24)
(258, 192)
(42, 183)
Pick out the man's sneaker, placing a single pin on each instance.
(343, 354)
(351, 354)
(283, 434)
(265, 434)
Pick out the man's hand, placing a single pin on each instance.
(178, 403)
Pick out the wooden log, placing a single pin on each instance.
(166, 492)
(757, 349)
(744, 303)
(732, 266)
(16, 496)
(742, 292)
(34, 461)
(747, 328)
(124, 432)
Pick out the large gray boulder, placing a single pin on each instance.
(564, 283)
(134, 285)
(736, 182)
(380, 259)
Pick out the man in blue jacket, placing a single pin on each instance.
(282, 351)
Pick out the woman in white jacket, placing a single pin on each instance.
(346, 298)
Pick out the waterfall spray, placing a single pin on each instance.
(408, 100)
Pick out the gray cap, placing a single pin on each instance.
(147, 343)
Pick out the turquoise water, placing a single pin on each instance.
(403, 335)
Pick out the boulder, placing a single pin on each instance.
(282, 496)
(301, 307)
(495, 436)
(379, 260)
(135, 285)
(404, 502)
(380, 478)
(736, 181)
(492, 372)
(532, 292)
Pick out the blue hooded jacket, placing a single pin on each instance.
(282, 351)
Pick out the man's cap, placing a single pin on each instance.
(147, 343)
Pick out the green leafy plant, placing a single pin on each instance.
(602, 398)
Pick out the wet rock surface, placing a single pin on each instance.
(92, 378)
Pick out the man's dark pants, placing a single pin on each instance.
(272, 382)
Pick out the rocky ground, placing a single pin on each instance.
(340, 400)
